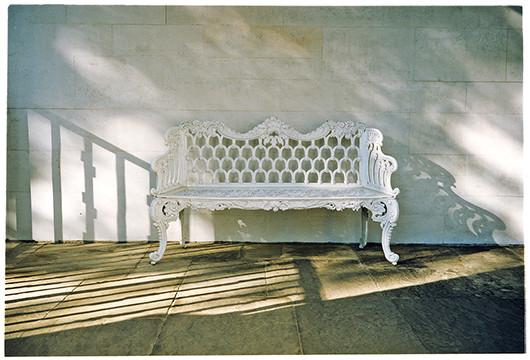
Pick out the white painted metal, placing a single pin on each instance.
(338, 166)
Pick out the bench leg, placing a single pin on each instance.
(156, 256)
(162, 213)
(385, 242)
(364, 228)
(386, 212)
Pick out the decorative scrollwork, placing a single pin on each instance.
(346, 129)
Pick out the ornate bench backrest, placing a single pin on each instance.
(209, 153)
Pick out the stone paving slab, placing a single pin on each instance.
(466, 324)
(128, 337)
(359, 325)
(242, 298)
(259, 333)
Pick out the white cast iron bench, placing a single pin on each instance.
(338, 166)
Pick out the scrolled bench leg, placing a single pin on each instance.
(385, 242)
(163, 212)
(386, 212)
(156, 256)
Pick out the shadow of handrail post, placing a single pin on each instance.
(122, 203)
(56, 183)
(88, 194)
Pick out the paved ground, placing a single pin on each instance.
(105, 299)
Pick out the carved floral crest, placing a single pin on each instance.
(272, 131)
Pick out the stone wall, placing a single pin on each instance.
(91, 90)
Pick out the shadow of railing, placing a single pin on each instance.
(121, 158)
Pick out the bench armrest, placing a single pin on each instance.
(376, 168)
(170, 168)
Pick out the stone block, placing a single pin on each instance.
(115, 14)
(466, 17)
(446, 166)
(153, 39)
(484, 219)
(493, 175)
(418, 229)
(99, 82)
(373, 96)
(514, 70)
(262, 41)
(264, 15)
(469, 17)
(438, 97)
(460, 55)
(18, 170)
(302, 15)
(26, 39)
(30, 80)
(368, 54)
(491, 219)
(214, 68)
(36, 14)
(229, 15)
(11, 215)
(59, 40)
(39, 128)
(279, 68)
(306, 95)
(466, 134)
(431, 134)
(71, 40)
(17, 130)
(251, 95)
(18, 215)
(495, 98)
(427, 183)
(23, 216)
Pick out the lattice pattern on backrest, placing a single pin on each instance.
(272, 153)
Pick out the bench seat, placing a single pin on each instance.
(285, 192)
